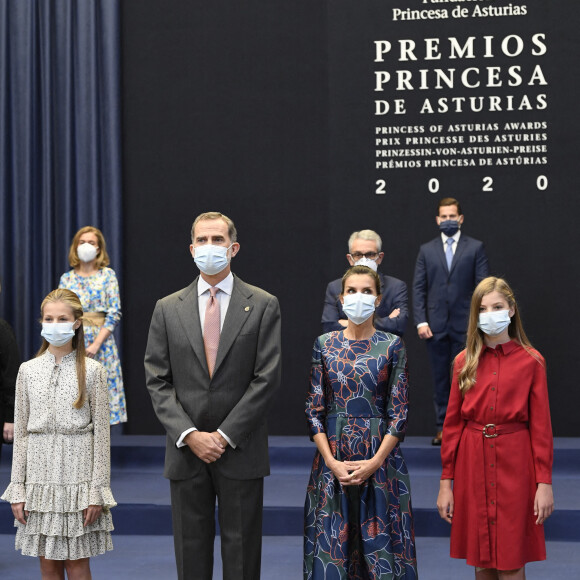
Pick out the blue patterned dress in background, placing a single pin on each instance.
(358, 394)
(100, 293)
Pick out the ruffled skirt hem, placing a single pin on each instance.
(62, 548)
(54, 528)
(68, 525)
(67, 497)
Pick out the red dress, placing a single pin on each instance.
(495, 478)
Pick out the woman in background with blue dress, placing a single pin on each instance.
(358, 518)
(97, 287)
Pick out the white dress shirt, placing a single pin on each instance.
(444, 239)
(455, 237)
(223, 297)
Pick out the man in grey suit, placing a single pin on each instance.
(212, 364)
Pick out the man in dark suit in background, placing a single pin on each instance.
(391, 314)
(212, 364)
(9, 365)
(447, 271)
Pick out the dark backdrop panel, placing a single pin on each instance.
(518, 222)
(224, 109)
(265, 111)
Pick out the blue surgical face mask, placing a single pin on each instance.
(211, 259)
(449, 227)
(494, 323)
(359, 307)
(57, 333)
(367, 262)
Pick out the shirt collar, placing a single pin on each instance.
(455, 236)
(504, 348)
(71, 356)
(226, 285)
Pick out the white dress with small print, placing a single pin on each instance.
(61, 460)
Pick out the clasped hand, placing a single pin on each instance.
(92, 350)
(209, 447)
(353, 472)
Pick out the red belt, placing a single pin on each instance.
(488, 431)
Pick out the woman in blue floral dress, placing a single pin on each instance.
(98, 289)
(358, 518)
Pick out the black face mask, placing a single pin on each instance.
(449, 227)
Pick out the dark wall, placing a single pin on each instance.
(227, 107)
(224, 109)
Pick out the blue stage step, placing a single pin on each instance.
(144, 504)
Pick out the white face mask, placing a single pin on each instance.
(86, 252)
(494, 323)
(57, 333)
(211, 259)
(358, 307)
(367, 262)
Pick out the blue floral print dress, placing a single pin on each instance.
(358, 394)
(100, 293)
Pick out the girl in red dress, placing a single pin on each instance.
(497, 444)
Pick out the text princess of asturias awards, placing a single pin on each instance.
(400, 14)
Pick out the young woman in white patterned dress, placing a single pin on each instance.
(60, 484)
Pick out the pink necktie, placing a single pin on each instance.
(211, 329)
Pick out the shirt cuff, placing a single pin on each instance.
(422, 324)
(180, 442)
(230, 442)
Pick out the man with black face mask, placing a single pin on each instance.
(448, 269)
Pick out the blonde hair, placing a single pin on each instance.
(69, 298)
(102, 258)
(468, 374)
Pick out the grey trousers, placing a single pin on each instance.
(240, 521)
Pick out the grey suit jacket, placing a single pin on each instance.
(236, 398)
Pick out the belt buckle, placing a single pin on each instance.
(489, 435)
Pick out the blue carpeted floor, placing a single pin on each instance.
(151, 558)
(143, 542)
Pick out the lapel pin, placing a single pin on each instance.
(247, 308)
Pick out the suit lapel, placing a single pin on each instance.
(458, 251)
(238, 312)
(383, 279)
(188, 311)
(441, 253)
